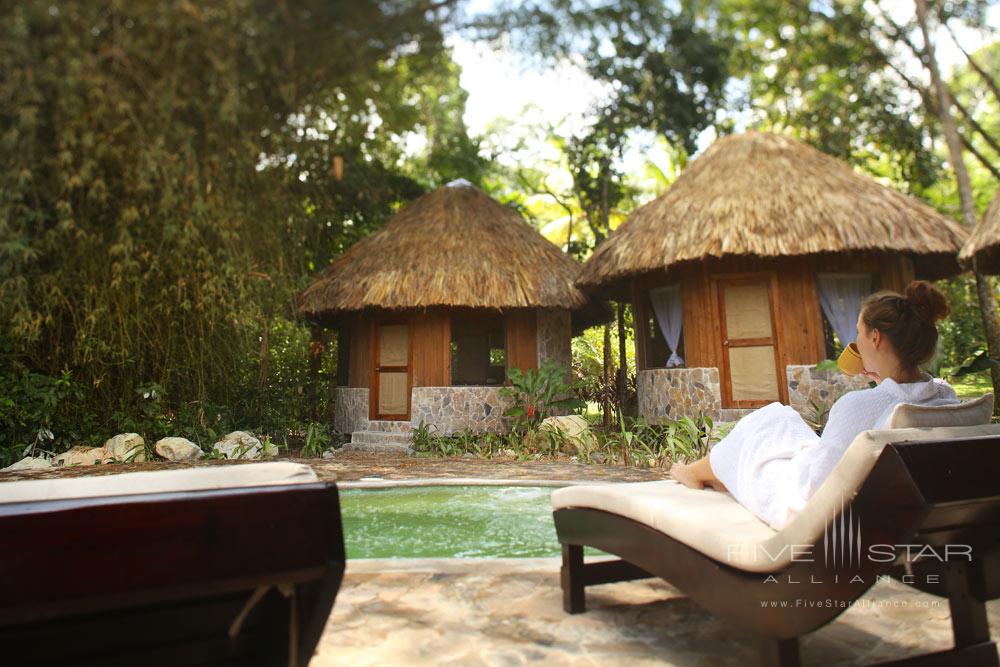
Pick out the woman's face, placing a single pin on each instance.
(871, 346)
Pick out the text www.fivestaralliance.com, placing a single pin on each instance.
(801, 603)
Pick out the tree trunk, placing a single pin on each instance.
(317, 345)
(622, 363)
(608, 364)
(984, 285)
(265, 353)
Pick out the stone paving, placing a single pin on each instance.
(507, 612)
(352, 466)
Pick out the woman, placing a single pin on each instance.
(772, 462)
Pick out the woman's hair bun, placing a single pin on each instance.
(927, 301)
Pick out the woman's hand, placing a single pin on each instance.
(872, 375)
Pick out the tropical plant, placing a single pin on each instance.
(980, 361)
(537, 394)
(817, 415)
(316, 440)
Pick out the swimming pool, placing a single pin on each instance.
(449, 522)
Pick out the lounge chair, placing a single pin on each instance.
(934, 487)
(235, 565)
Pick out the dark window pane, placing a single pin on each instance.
(343, 355)
(478, 349)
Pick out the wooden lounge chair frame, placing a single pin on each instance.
(240, 576)
(933, 492)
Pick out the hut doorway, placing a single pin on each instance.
(391, 371)
(751, 368)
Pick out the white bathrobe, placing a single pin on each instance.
(772, 462)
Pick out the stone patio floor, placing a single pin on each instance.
(352, 466)
(508, 612)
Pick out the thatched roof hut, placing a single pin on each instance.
(454, 247)
(433, 309)
(767, 195)
(981, 252)
(752, 266)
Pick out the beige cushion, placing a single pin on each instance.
(160, 481)
(718, 526)
(966, 413)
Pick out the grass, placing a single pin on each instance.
(972, 385)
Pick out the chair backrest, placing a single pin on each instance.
(854, 468)
(967, 413)
(202, 478)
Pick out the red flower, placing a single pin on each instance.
(531, 411)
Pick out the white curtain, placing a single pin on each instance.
(670, 316)
(840, 296)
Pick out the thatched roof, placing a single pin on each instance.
(768, 195)
(454, 246)
(982, 251)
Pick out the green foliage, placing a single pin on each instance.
(981, 361)
(537, 394)
(663, 65)
(961, 333)
(820, 73)
(635, 443)
(484, 445)
(36, 414)
(827, 365)
(817, 415)
(972, 385)
(317, 438)
(166, 188)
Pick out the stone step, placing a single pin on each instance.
(733, 414)
(378, 441)
(380, 436)
(386, 426)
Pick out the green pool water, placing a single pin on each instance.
(449, 522)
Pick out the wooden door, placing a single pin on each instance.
(391, 371)
(752, 375)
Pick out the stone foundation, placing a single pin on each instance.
(806, 386)
(453, 409)
(350, 409)
(672, 393)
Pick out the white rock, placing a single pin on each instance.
(29, 463)
(570, 425)
(126, 447)
(178, 449)
(574, 428)
(82, 456)
(243, 445)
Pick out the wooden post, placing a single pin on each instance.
(622, 363)
(780, 652)
(571, 576)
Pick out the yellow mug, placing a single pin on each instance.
(850, 362)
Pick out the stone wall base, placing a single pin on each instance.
(808, 386)
(672, 393)
(450, 410)
(350, 409)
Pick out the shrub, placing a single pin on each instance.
(537, 394)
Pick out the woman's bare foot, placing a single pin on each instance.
(683, 474)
